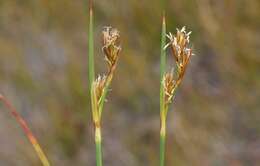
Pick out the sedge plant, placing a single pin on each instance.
(26, 130)
(170, 80)
(99, 87)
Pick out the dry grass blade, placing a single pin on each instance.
(27, 131)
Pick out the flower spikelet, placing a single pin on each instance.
(179, 45)
(169, 85)
(99, 86)
(111, 45)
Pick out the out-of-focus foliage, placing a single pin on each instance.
(43, 70)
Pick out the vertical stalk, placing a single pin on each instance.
(91, 45)
(163, 43)
(163, 62)
(96, 117)
(27, 131)
(163, 135)
(162, 102)
(162, 142)
(98, 146)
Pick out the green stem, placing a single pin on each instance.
(98, 146)
(162, 146)
(163, 110)
(163, 3)
(163, 43)
(91, 45)
(163, 62)
(104, 94)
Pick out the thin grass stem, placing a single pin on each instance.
(163, 63)
(91, 46)
(162, 102)
(27, 131)
(162, 143)
(96, 113)
(98, 142)
(163, 117)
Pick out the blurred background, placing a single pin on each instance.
(214, 121)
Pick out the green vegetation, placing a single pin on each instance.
(98, 88)
(214, 119)
(162, 109)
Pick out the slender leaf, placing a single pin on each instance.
(91, 46)
(163, 61)
(27, 131)
(102, 100)
(162, 102)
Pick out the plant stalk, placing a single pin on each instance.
(162, 142)
(95, 111)
(98, 146)
(163, 117)
(104, 94)
(163, 110)
(91, 45)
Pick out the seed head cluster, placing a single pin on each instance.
(111, 49)
(169, 84)
(111, 45)
(179, 45)
(99, 85)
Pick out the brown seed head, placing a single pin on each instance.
(181, 51)
(99, 86)
(169, 85)
(111, 45)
